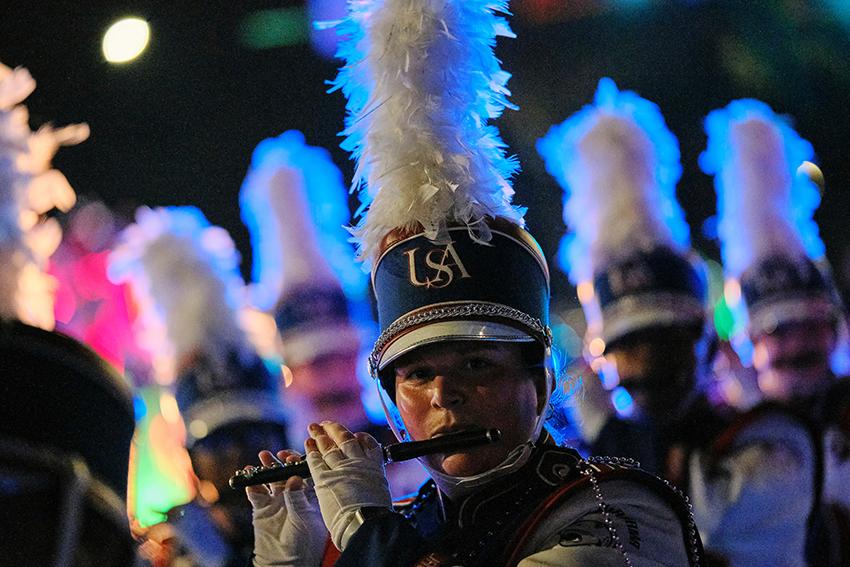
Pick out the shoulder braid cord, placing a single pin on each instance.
(597, 469)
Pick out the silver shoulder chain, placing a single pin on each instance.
(692, 525)
(586, 468)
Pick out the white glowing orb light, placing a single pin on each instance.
(125, 40)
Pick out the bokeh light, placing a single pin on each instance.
(125, 40)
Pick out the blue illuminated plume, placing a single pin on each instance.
(325, 200)
(645, 183)
(764, 206)
(189, 272)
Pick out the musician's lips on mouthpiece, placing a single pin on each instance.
(445, 430)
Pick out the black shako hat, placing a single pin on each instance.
(295, 205)
(213, 394)
(187, 272)
(773, 258)
(60, 394)
(627, 249)
(654, 289)
(450, 257)
(780, 290)
(460, 290)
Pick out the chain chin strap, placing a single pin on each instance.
(585, 466)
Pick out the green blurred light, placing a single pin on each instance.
(715, 280)
(724, 320)
(155, 490)
(265, 29)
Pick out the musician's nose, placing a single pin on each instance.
(447, 392)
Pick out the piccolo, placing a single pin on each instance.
(449, 443)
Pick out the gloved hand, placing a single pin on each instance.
(288, 527)
(348, 471)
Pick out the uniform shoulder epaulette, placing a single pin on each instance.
(593, 471)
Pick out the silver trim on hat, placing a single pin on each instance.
(767, 315)
(458, 311)
(231, 407)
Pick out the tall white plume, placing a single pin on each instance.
(422, 83)
(618, 165)
(295, 206)
(187, 272)
(764, 207)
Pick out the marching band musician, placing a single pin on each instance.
(67, 418)
(295, 205)
(644, 299)
(184, 273)
(780, 289)
(463, 297)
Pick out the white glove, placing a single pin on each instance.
(288, 527)
(348, 471)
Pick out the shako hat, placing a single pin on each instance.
(295, 206)
(773, 258)
(627, 248)
(185, 275)
(67, 418)
(449, 256)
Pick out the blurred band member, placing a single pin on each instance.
(777, 280)
(67, 417)
(186, 274)
(295, 205)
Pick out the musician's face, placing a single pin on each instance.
(794, 360)
(454, 386)
(330, 385)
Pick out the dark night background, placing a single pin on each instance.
(178, 125)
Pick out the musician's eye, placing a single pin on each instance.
(415, 374)
(477, 364)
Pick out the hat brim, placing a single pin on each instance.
(301, 346)
(632, 314)
(767, 316)
(229, 408)
(463, 330)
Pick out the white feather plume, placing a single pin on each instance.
(422, 84)
(187, 271)
(295, 205)
(28, 189)
(764, 207)
(618, 164)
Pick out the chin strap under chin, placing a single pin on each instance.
(459, 486)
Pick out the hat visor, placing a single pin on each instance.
(766, 317)
(637, 313)
(466, 330)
